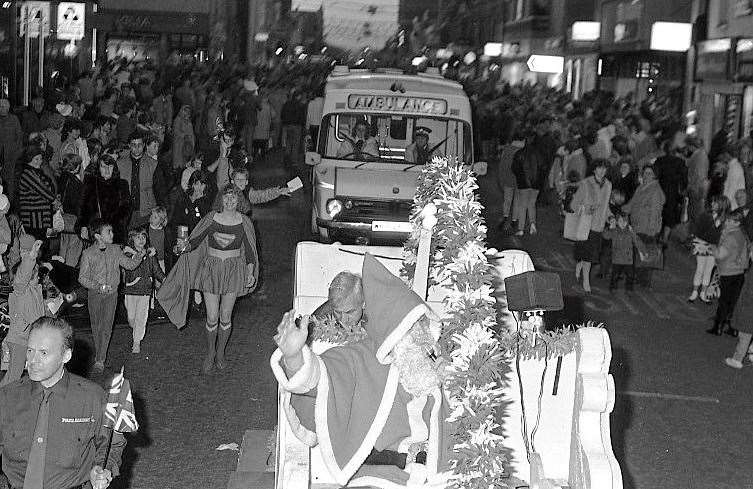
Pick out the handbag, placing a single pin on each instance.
(652, 257)
(577, 225)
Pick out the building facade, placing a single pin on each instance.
(722, 76)
(141, 29)
(535, 27)
(628, 64)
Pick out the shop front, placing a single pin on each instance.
(137, 35)
(724, 88)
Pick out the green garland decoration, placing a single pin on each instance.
(477, 358)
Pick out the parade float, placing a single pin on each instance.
(528, 407)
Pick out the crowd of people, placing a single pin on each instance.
(632, 175)
(130, 168)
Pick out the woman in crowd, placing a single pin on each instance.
(707, 228)
(105, 196)
(36, 195)
(187, 206)
(645, 210)
(732, 258)
(183, 135)
(223, 264)
(735, 175)
(73, 144)
(70, 187)
(673, 178)
(593, 196)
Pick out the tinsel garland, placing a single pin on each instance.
(477, 358)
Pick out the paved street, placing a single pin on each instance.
(682, 419)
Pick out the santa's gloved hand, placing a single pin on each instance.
(291, 338)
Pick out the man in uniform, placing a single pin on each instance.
(419, 152)
(51, 433)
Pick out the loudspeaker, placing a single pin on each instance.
(534, 291)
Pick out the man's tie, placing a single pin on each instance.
(34, 478)
(136, 186)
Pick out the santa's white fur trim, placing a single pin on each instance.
(432, 453)
(370, 481)
(342, 475)
(305, 379)
(301, 432)
(385, 349)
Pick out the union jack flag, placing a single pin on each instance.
(119, 412)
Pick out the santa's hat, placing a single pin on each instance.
(392, 308)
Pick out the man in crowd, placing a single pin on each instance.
(56, 419)
(138, 170)
(35, 118)
(11, 138)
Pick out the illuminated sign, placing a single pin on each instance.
(671, 36)
(71, 20)
(397, 103)
(539, 63)
(585, 31)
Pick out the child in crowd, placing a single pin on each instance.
(26, 304)
(732, 260)
(157, 223)
(624, 241)
(707, 228)
(100, 274)
(139, 284)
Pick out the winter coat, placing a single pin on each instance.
(673, 178)
(735, 181)
(594, 198)
(505, 175)
(645, 208)
(140, 280)
(732, 254)
(527, 165)
(623, 242)
(108, 200)
(263, 121)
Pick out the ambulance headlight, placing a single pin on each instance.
(334, 207)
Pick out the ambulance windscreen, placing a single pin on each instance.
(393, 138)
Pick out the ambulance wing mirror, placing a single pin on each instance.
(313, 158)
(480, 168)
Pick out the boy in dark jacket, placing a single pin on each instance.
(624, 240)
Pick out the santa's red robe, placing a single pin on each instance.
(349, 399)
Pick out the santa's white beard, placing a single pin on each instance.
(418, 374)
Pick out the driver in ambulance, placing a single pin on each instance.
(361, 145)
(419, 152)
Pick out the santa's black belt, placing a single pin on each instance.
(391, 457)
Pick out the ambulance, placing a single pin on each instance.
(378, 130)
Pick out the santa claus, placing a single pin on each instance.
(375, 407)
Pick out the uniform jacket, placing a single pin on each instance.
(76, 438)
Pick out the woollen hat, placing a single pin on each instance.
(392, 308)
